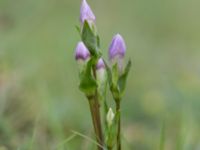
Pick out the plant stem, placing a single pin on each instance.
(119, 126)
(94, 108)
(95, 112)
(105, 112)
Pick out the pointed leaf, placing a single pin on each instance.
(123, 78)
(90, 39)
(115, 74)
(98, 41)
(109, 73)
(112, 80)
(111, 133)
(88, 84)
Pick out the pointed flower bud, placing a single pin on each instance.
(86, 13)
(82, 53)
(110, 116)
(100, 64)
(117, 47)
(101, 75)
(101, 71)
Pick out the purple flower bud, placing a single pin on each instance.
(81, 52)
(117, 47)
(86, 13)
(100, 64)
(101, 76)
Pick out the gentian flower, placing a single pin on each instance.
(81, 52)
(86, 13)
(117, 47)
(117, 51)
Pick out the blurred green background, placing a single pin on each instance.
(40, 102)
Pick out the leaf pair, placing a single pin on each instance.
(116, 81)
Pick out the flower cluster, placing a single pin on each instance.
(96, 75)
(117, 47)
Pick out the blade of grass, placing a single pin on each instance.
(87, 138)
(66, 141)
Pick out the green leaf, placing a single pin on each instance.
(88, 84)
(114, 88)
(102, 84)
(115, 74)
(113, 80)
(109, 73)
(111, 133)
(98, 41)
(90, 39)
(123, 78)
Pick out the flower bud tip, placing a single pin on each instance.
(117, 47)
(110, 116)
(86, 13)
(81, 52)
(100, 64)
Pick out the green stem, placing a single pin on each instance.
(95, 113)
(105, 112)
(119, 126)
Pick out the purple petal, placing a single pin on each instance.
(81, 52)
(86, 13)
(117, 47)
(100, 64)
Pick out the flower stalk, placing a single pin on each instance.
(96, 110)
(118, 107)
(95, 113)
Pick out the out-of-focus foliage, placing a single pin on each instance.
(39, 98)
